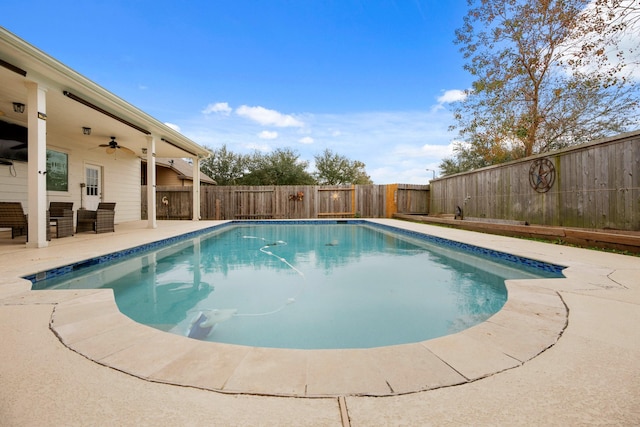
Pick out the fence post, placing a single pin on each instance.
(392, 200)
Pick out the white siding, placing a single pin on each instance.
(121, 180)
(14, 188)
(121, 184)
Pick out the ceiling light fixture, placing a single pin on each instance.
(18, 107)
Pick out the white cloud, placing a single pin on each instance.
(413, 175)
(174, 127)
(448, 97)
(268, 117)
(265, 134)
(396, 146)
(427, 150)
(452, 95)
(218, 107)
(306, 140)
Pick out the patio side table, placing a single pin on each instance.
(63, 224)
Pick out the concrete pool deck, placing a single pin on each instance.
(561, 352)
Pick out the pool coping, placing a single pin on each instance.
(532, 320)
(89, 323)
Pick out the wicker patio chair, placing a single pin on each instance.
(100, 221)
(12, 216)
(61, 214)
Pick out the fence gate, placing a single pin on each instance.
(336, 202)
(413, 199)
(253, 203)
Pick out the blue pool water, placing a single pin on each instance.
(309, 286)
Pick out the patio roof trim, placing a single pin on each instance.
(105, 112)
(13, 68)
(177, 146)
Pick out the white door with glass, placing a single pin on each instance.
(93, 187)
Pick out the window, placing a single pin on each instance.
(92, 182)
(57, 171)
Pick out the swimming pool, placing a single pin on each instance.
(319, 285)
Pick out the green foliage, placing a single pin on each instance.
(334, 169)
(225, 167)
(280, 167)
(533, 91)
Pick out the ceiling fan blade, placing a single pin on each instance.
(104, 145)
(111, 150)
(128, 150)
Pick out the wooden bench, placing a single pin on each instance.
(254, 216)
(496, 221)
(621, 240)
(336, 214)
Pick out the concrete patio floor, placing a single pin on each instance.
(591, 375)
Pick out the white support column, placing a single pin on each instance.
(196, 188)
(151, 182)
(37, 165)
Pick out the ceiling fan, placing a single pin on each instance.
(113, 145)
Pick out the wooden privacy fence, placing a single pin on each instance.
(594, 185)
(290, 201)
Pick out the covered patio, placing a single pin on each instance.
(66, 139)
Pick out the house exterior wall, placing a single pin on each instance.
(14, 188)
(120, 180)
(165, 176)
(122, 185)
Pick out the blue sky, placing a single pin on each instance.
(368, 79)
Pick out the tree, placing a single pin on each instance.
(475, 155)
(597, 41)
(280, 167)
(535, 88)
(333, 169)
(225, 167)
